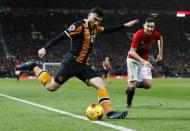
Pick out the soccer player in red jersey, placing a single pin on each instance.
(139, 67)
(17, 72)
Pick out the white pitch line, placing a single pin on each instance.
(120, 128)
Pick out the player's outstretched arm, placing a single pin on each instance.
(131, 23)
(115, 28)
(160, 48)
(52, 42)
(55, 40)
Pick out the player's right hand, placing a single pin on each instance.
(147, 63)
(41, 52)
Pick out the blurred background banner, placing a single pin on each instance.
(26, 25)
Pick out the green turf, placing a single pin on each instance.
(165, 107)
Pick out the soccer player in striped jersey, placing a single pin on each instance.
(83, 35)
(106, 68)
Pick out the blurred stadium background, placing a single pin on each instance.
(26, 25)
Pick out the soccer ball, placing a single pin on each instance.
(94, 112)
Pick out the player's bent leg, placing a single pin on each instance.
(42, 76)
(147, 83)
(27, 66)
(140, 84)
(97, 82)
(103, 99)
(52, 86)
(102, 94)
(46, 79)
(132, 84)
(145, 78)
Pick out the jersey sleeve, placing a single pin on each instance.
(113, 28)
(157, 35)
(55, 40)
(136, 40)
(74, 29)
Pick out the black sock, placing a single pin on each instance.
(140, 84)
(130, 93)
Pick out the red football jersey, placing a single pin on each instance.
(17, 63)
(143, 42)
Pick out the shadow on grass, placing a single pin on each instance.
(160, 118)
(160, 107)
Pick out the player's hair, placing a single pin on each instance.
(98, 10)
(149, 19)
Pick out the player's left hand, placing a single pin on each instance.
(131, 23)
(159, 58)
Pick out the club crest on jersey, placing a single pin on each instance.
(72, 28)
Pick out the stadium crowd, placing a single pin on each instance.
(25, 34)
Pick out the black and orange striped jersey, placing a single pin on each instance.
(82, 38)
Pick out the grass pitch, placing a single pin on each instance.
(165, 107)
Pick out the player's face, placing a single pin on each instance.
(149, 27)
(94, 19)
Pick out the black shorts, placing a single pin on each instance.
(106, 72)
(70, 68)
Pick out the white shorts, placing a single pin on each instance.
(17, 73)
(137, 71)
